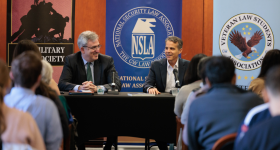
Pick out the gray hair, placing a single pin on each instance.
(175, 40)
(85, 36)
(47, 72)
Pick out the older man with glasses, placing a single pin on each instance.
(87, 69)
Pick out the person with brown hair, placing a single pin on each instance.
(26, 74)
(192, 81)
(16, 126)
(43, 89)
(271, 59)
(26, 45)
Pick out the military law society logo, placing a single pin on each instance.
(246, 38)
(138, 32)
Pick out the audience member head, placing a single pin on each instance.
(47, 71)
(26, 45)
(220, 69)
(26, 70)
(271, 59)
(191, 72)
(201, 68)
(272, 89)
(4, 84)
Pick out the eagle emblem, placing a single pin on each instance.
(245, 47)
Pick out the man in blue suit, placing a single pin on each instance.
(161, 77)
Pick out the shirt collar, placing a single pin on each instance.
(176, 65)
(17, 90)
(85, 62)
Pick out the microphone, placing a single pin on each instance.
(113, 76)
(113, 89)
(177, 82)
(113, 85)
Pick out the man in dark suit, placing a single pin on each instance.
(75, 75)
(161, 77)
(86, 69)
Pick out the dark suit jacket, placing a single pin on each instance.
(74, 72)
(158, 71)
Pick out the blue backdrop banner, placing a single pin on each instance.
(251, 22)
(135, 36)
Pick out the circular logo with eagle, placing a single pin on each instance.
(246, 38)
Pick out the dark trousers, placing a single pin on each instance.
(110, 141)
(161, 145)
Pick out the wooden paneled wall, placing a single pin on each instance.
(3, 24)
(197, 26)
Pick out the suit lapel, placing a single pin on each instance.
(163, 71)
(97, 72)
(182, 70)
(81, 68)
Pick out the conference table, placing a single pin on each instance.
(149, 117)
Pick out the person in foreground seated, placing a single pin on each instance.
(192, 96)
(47, 72)
(88, 68)
(28, 45)
(255, 116)
(221, 110)
(26, 74)
(16, 126)
(265, 135)
(202, 89)
(270, 59)
(192, 81)
(161, 77)
(44, 89)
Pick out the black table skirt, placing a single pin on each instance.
(121, 115)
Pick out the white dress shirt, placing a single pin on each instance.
(170, 78)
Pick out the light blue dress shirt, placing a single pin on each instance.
(43, 111)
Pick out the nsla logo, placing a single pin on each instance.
(136, 34)
(246, 38)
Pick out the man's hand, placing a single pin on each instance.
(154, 91)
(87, 85)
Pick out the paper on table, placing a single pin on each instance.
(140, 94)
(85, 91)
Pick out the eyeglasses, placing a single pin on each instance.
(94, 47)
